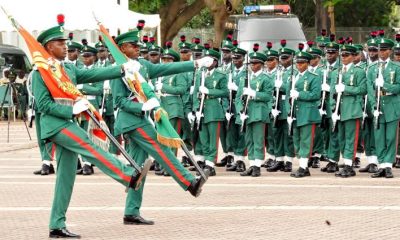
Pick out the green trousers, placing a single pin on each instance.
(318, 141)
(255, 142)
(187, 135)
(47, 150)
(110, 120)
(269, 137)
(349, 132)
(386, 141)
(369, 137)
(177, 124)
(232, 136)
(209, 138)
(333, 147)
(69, 142)
(283, 143)
(303, 139)
(142, 142)
(240, 149)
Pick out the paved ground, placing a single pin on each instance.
(273, 206)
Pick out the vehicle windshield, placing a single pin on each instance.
(17, 61)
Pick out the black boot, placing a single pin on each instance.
(232, 168)
(248, 172)
(370, 168)
(288, 167)
(223, 162)
(211, 170)
(136, 220)
(357, 162)
(315, 162)
(397, 163)
(230, 161)
(347, 171)
(279, 166)
(256, 171)
(240, 166)
(196, 186)
(157, 166)
(269, 163)
(388, 173)
(87, 169)
(331, 167)
(185, 161)
(380, 173)
(301, 172)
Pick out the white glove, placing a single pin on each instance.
(294, 94)
(191, 90)
(289, 120)
(379, 81)
(335, 117)
(101, 110)
(249, 92)
(321, 112)
(243, 117)
(325, 87)
(29, 114)
(79, 86)
(159, 86)
(204, 90)
(204, 62)
(80, 106)
(199, 115)
(376, 113)
(150, 104)
(278, 83)
(106, 85)
(116, 113)
(151, 85)
(131, 66)
(228, 116)
(275, 112)
(232, 86)
(339, 87)
(191, 117)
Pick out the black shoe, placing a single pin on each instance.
(388, 173)
(288, 167)
(87, 169)
(185, 161)
(196, 186)
(152, 166)
(211, 170)
(397, 163)
(201, 165)
(240, 166)
(323, 158)
(380, 173)
(301, 172)
(248, 172)
(341, 165)
(166, 174)
(136, 220)
(357, 162)
(279, 166)
(62, 233)
(37, 172)
(46, 170)
(159, 172)
(315, 162)
(223, 162)
(256, 171)
(269, 163)
(331, 167)
(370, 168)
(157, 166)
(231, 161)
(347, 171)
(232, 168)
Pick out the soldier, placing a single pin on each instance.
(396, 58)
(240, 73)
(271, 69)
(154, 52)
(351, 85)
(317, 68)
(226, 131)
(92, 91)
(383, 94)
(22, 93)
(74, 49)
(254, 111)
(284, 148)
(322, 41)
(132, 121)
(331, 137)
(304, 92)
(368, 129)
(144, 49)
(57, 125)
(212, 88)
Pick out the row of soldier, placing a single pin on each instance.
(317, 103)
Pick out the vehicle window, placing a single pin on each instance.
(17, 61)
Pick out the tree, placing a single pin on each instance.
(174, 14)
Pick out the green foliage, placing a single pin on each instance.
(146, 7)
(203, 20)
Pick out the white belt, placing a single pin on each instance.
(90, 97)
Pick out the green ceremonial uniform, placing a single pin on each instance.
(133, 123)
(239, 78)
(57, 125)
(258, 114)
(214, 114)
(351, 108)
(226, 143)
(386, 134)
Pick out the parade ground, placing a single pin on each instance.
(274, 206)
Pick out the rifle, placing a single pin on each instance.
(230, 97)
(246, 98)
(290, 127)
(278, 78)
(202, 97)
(378, 92)
(323, 109)
(338, 97)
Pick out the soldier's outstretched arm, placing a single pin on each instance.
(166, 69)
(96, 74)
